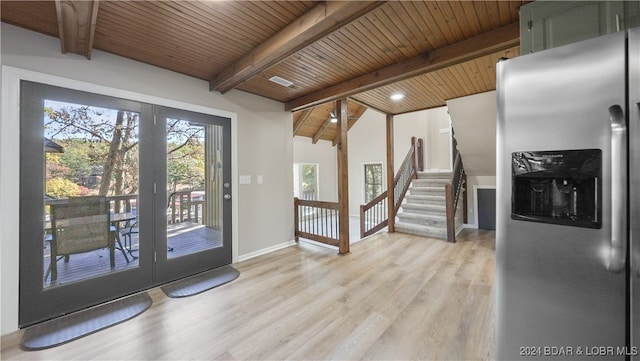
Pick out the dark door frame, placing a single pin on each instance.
(121, 283)
(475, 201)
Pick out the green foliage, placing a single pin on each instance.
(79, 158)
(185, 155)
(309, 178)
(185, 166)
(62, 188)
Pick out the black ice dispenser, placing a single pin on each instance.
(559, 187)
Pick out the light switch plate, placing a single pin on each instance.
(245, 179)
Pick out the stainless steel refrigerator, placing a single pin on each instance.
(568, 202)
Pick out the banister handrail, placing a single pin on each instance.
(406, 172)
(373, 215)
(452, 194)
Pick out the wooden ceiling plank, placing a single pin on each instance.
(321, 20)
(478, 46)
(448, 20)
(421, 16)
(355, 36)
(77, 25)
(413, 38)
(468, 8)
(303, 119)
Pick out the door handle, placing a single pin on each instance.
(227, 196)
(617, 256)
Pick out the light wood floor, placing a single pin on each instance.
(394, 297)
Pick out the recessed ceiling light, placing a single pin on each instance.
(396, 96)
(278, 80)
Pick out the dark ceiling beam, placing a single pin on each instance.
(320, 21)
(77, 25)
(301, 120)
(321, 130)
(487, 43)
(352, 119)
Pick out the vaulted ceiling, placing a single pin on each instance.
(429, 51)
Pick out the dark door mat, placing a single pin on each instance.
(79, 324)
(201, 282)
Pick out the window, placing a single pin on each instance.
(372, 181)
(305, 181)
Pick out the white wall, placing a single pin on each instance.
(324, 154)
(261, 132)
(474, 120)
(438, 157)
(367, 144)
(433, 126)
(406, 126)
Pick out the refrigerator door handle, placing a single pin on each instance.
(617, 256)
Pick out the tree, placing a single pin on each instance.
(97, 127)
(185, 155)
(62, 188)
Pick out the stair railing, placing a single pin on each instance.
(317, 221)
(374, 215)
(452, 192)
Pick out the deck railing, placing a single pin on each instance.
(374, 215)
(317, 221)
(183, 206)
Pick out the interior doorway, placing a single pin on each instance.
(486, 207)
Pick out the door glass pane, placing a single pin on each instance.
(194, 187)
(91, 191)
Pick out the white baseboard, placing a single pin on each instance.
(467, 225)
(264, 251)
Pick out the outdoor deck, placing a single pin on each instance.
(182, 239)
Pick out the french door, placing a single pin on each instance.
(193, 197)
(116, 196)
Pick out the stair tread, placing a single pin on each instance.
(426, 175)
(425, 231)
(422, 216)
(423, 206)
(427, 188)
(420, 226)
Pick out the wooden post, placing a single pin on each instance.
(391, 204)
(414, 148)
(296, 219)
(464, 198)
(420, 152)
(343, 176)
(451, 213)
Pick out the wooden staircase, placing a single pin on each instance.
(424, 209)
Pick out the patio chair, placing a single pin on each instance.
(81, 225)
(127, 232)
